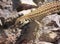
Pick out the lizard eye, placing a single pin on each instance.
(19, 22)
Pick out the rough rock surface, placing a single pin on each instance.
(9, 11)
(31, 33)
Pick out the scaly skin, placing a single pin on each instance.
(41, 12)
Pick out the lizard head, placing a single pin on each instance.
(21, 21)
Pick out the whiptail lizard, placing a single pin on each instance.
(41, 12)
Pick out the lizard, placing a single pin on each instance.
(41, 12)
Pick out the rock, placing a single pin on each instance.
(53, 17)
(43, 42)
(58, 42)
(26, 12)
(12, 35)
(31, 33)
(52, 23)
(37, 1)
(40, 42)
(20, 5)
(30, 2)
(48, 37)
